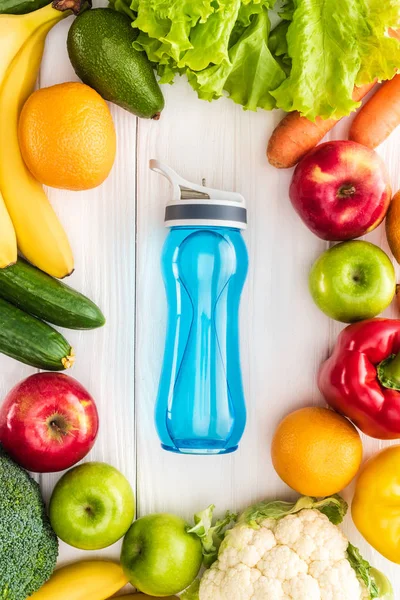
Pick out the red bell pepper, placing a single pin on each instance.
(361, 379)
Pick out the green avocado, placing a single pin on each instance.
(100, 48)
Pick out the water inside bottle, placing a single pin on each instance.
(201, 397)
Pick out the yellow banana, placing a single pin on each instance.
(92, 580)
(8, 241)
(40, 235)
(15, 30)
(13, 35)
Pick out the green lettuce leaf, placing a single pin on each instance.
(123, 6)
(279, 47)
(335, 44)
(210, 40)
(178, 38)
(252, 7)
(251, 74)
(310, 62)
(380, 54)
(287, 10)
(171, 24)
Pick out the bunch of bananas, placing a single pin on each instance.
(27, 219)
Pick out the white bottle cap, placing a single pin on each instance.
(194, 204)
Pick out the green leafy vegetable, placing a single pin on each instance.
(211, 535)
(123, 6)
(279, 47)
(251, 73)
(377, 584)
(209, 42)
(287, 10)
(309, 62)
(170, 24)
(363, 570)
(334, 508)
(221, 45)
(334, 45)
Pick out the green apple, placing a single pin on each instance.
(353, 281)
(92, 506)
(158, 555)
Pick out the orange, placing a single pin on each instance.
(67, 136)
(316, 451)
(393, 226)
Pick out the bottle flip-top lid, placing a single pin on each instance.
(194, 204)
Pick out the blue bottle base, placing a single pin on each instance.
(198, 447)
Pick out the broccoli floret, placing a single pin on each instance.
(28, 545)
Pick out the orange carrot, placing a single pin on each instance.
(379, 117)
(295, 136)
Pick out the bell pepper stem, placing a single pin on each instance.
(389, 372)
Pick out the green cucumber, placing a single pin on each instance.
(31, 341)
(48, 299)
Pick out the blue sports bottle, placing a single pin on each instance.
(200, 407)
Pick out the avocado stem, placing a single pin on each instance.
(75, 6)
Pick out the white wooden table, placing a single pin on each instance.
(117, 233)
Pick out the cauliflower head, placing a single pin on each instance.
(302, 556)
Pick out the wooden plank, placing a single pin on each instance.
(101, 227)
(283, 337)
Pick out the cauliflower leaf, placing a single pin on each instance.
(362, 569)
(334, 507)
(211, 536)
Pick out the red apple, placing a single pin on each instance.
(341, 190)
(48, 422)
